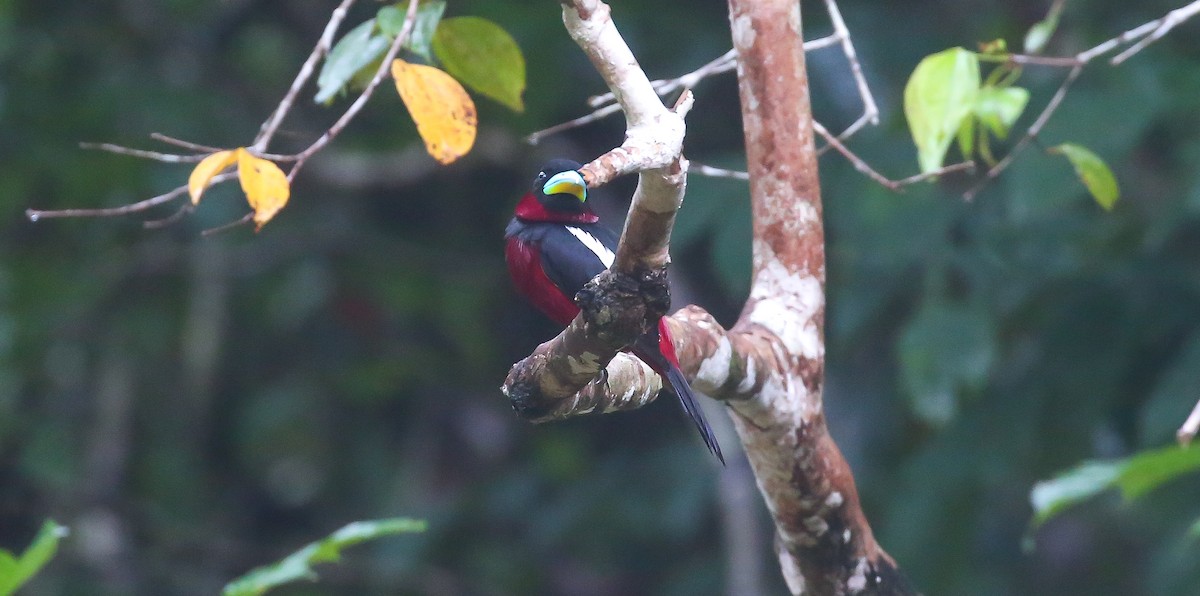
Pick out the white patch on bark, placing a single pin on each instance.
(742, 28)
(593, 244)
(846, 535)
(586, 363)
(858, 580)
(834, 500)
(788, 304)
(748, 380)
(794, 18)
(714, 370)
(792, 576)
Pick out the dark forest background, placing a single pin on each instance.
(192, 408)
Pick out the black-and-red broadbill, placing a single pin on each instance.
(555, 244)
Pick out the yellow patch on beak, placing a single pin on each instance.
(569, 182)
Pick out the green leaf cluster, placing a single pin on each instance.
(476, 51)
(945, 98)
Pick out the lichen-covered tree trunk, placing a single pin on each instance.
(825, 544)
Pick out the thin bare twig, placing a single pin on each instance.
(714, 172)
(958, 167)
(267, 131)
(155, 224)
(857, 161)
(142, 153)
(603, 105)
(1173, 18)
(723, 63)
(1190, 427)
(862, 166)
(361, 101)
(536, 137)
(36, 214)
(182, 144)
(870, 110)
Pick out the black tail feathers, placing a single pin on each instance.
(680, 387)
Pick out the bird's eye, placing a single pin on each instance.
(541, 175)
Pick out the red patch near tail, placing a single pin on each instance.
(665, 345)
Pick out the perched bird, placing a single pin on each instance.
(555, 244)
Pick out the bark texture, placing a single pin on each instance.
(824, 543)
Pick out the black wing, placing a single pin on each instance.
(571, 260)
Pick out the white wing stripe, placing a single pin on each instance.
(593, 244)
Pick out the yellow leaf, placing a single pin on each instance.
(208, 167)
(265, 185)
(444, 113)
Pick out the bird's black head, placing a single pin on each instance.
(560, 187)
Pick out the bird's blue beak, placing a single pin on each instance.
(569, 182)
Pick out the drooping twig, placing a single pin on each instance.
(183, 210)
(245, 220)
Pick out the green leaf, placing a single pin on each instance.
(940, 93)
(14, 572)
(999, 107)
(1134, 476)
(1041, 32)
(966, 138)
(1092, 171)
(484, 57)
(1051, 497)
(1148, 470)
(429, 14)
(359, 49)
(298, 565)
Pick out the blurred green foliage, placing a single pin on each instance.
(193, 408)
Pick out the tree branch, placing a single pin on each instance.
(617, 306)
(770, 367)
